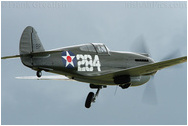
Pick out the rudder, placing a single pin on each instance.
(29, 43)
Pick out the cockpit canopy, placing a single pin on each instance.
(95, 47)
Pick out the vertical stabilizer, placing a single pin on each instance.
(29, 43)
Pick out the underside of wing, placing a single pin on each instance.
(144, 69)
(59, 77)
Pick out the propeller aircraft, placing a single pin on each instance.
(91, 63)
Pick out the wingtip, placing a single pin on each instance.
(185, 58)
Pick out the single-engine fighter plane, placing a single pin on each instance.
(91, 63)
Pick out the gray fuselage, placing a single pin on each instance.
(86, 65)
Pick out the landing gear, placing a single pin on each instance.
(124, 86)
(89, 99)
(91, 96)
(39, 73)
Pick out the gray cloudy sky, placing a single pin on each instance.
(162, 25)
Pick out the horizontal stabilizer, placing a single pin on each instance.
(45, 78)
(9, 57)
(45, 53)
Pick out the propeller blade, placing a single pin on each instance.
(115, 90)
(172, 55)
(149, 95)
(139, 45)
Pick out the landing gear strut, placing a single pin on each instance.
(39, 73)
(92, 97)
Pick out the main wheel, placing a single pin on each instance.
(39, 73)
(125, 86)
(89, 100)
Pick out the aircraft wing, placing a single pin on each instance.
(144, 69)
(58, 77)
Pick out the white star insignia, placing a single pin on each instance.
(69, 59)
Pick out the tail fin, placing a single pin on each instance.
(29, 43)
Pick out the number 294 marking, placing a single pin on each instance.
(86, 63)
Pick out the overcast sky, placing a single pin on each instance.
(119, 25)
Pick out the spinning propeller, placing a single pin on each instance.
(150, 95)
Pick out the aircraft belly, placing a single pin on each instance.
(136, 81)
(95, 81)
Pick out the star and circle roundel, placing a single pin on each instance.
(69, 59)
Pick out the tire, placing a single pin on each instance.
(125, 86)
(39, 73)
(89, 100)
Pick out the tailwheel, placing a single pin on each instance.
(39, 73)
(89, 100)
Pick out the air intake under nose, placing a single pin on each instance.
(122, 79)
